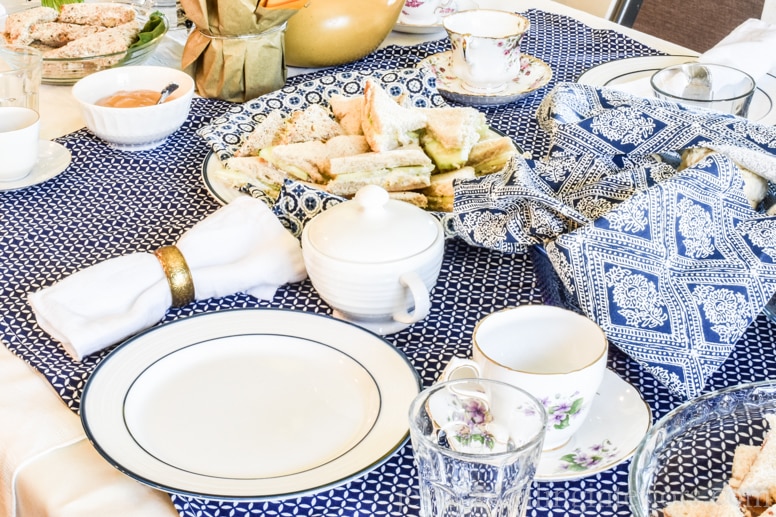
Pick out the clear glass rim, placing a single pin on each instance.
(532, 442)
(635, 493)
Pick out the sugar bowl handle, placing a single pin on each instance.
(420, 295)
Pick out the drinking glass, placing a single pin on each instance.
(477, 444)
(20, 76)
(714, 87)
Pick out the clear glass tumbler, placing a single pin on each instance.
(704, 85)
(477, 443)
(20, 76)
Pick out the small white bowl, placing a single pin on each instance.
(134, 129)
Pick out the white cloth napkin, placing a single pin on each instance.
(45, 426)
(242, 247)
(48, 467)
(749, 47)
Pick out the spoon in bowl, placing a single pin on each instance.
(166, 91)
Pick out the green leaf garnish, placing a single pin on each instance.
(56, 4)
(153, 28)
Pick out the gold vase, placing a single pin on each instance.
(334, 32)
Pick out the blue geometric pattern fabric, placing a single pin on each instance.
(673, 264)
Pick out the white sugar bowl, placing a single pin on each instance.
(374, 260)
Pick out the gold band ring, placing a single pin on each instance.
(178, 275)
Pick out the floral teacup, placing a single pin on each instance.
(426, 12)
(555, 354)
(486, 48)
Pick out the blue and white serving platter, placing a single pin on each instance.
(627, 71)
(250, 404)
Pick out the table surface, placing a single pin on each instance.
(92, 218)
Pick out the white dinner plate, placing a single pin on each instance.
(220, 191)
(612, 431)
(630, 69)
(53, 158)
(250, 404)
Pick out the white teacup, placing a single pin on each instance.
(19, 130)
(426, 12)
(486, 47)
(555, 354)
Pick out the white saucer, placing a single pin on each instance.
(53, 158)
(417, 28)
(617, 422)
(535, 74)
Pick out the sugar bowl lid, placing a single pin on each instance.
(372, 228)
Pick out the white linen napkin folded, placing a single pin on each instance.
(749, 47)
(242, 247)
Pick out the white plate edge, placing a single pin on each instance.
(592, 76)
(383, 455)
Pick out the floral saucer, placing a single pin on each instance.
(617, 422)
(535, 73)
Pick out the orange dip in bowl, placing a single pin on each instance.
(130, 99)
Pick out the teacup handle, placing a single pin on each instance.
(460, 368)
(420, 296)
(466, 44)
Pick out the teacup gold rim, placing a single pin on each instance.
(597, 358)
(524, 20)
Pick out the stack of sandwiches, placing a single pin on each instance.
(416, 154)
(751, 489)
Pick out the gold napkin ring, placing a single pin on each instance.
(178, 275)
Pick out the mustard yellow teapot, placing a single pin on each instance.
(334, 32)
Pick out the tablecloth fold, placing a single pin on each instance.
(642, 209)
(242, 247)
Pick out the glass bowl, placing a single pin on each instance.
(705, 85)
(688, 454)
(69, 70)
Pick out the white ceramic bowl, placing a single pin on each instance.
(374, 260)
(134, 129)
